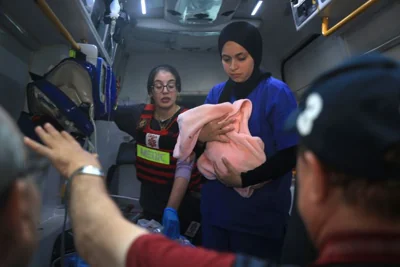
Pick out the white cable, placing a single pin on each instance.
(94, 144)
(90, 147)
(94, 137)
(125, 198)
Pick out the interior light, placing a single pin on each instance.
(190, 9)
(90, 4)
(143, 3)
(115, 8)
(256, 8)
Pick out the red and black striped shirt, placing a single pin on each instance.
(154, 161)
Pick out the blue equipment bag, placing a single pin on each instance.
(74, 93)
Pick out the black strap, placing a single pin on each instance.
(278, 165)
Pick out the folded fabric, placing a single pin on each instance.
(243, 151)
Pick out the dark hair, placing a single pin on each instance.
(246, 35)
(376, 197)
(167, 68)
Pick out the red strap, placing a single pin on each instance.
(149, 107)
(147, 112)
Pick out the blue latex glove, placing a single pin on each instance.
(170, 223)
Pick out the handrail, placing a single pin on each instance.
(50, 15)
(325, 20)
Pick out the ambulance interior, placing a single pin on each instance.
(123, 40)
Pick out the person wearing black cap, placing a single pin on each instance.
(166, 185)
(348, 163)
(254, 225)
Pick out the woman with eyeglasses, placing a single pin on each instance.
(167, 186)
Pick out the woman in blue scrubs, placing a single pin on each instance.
(255, 225)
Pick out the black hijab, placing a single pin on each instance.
(249, 37)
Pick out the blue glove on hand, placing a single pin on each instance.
(170, 223)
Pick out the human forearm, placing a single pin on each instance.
(178, 192)
(281, 163)
(102, 235)
(182, 178)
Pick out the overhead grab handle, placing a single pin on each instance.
(325, 20)
(50, 14)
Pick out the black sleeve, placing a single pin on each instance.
(126, 117)
(279, 164)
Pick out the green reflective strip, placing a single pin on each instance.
(72, 53)
(153, 155)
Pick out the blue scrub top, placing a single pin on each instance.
(266, 212)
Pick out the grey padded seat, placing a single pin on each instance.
(121, 177)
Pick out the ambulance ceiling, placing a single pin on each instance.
(183, 25)
(274, 19)
(192, 25)
(159, 29)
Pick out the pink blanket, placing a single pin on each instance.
(244, 151)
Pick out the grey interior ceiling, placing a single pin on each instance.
(274, 20)
(139, 39)
(280, 35)
(277, 27)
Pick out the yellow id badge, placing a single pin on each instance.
(153, 155)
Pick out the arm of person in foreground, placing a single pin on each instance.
(102, 235)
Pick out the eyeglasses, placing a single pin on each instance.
(159, 87)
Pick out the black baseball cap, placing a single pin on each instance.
(350, 116)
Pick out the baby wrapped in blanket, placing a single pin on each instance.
(243, 151)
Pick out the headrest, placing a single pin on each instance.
(73, 80)
(126, 154)
(46, 99)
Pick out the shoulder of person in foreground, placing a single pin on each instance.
(157, 250)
